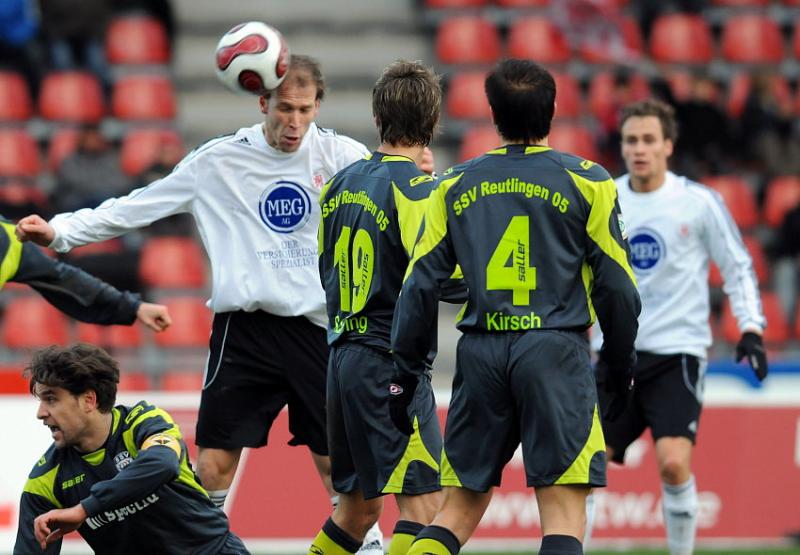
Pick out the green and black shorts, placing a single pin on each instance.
(367, 451)
(534, 387)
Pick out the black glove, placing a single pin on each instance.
(752, 346)
(617, 384)
(401, 393)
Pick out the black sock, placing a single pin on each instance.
(339, 536)
(557, 544)
(441, 535)
(408, 527)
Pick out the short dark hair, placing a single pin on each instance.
(522, 96)
(406, 103)
(77, 368)
(300, 66)
(653, 107)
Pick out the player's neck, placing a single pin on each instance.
(540, 142)
(648, 184)
(96, 433)
(413, 152)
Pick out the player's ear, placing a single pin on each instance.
(263, 102)
(89, 400)
(669, 146)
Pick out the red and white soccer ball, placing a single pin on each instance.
(252, 57)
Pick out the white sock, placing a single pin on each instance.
(680, 516)
(218, 497)
(373, 541)
(587, 534)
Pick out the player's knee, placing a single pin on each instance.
(419, 508)
(216, 468)
(674, 470)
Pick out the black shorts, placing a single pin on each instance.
(368, 452)
(667, 398)
(533, 387)
(257, 364)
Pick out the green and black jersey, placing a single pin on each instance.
(539, 237)
(371, 216)
(138, 501)
(70, 289)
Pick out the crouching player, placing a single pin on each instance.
(118, 475)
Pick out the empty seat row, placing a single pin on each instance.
(439, 4)
(12, 380)
(676, 38)
(466, 98)
(31, 322)
(76, 96)
(19, 152)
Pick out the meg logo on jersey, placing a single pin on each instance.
(284, 206)
(647, 249)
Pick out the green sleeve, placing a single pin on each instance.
(609, 276)
(432, 263)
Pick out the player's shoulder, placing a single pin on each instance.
(453, 175)
(331, 139)
(47, 464)
(213, 147)
(131, 416)
(581, 167)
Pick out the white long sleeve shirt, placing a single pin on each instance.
(673, 233)
(256, 209)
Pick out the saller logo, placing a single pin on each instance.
(647, 249)
(395, 389)
(284, 207)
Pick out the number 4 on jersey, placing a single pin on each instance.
(509, 268)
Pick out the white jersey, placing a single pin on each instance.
(673, 232)
(256, 209)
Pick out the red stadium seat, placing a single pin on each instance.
(136, 39)
(522, 3)
(31, 322)
(537, 38)
(191, 323)
(568, 96)
(143, 97)
(783, 194)
(777, 330)
(681, 38)
(738, 197)
(12, 381)
(477, 141)
(739, 89)
(134, 381)
(172, 262)
(466, 98)
(15, 99)
(742, 3)
(760, 265)
(631, 38)
(72, 96)
(177, 380)
(62, 143)
(752, 38)
(467, 40)
(603, 99)
(111, 337)
(573, 139)
(141, 147)
(19, 155)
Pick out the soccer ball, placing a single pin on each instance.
(252, 57)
